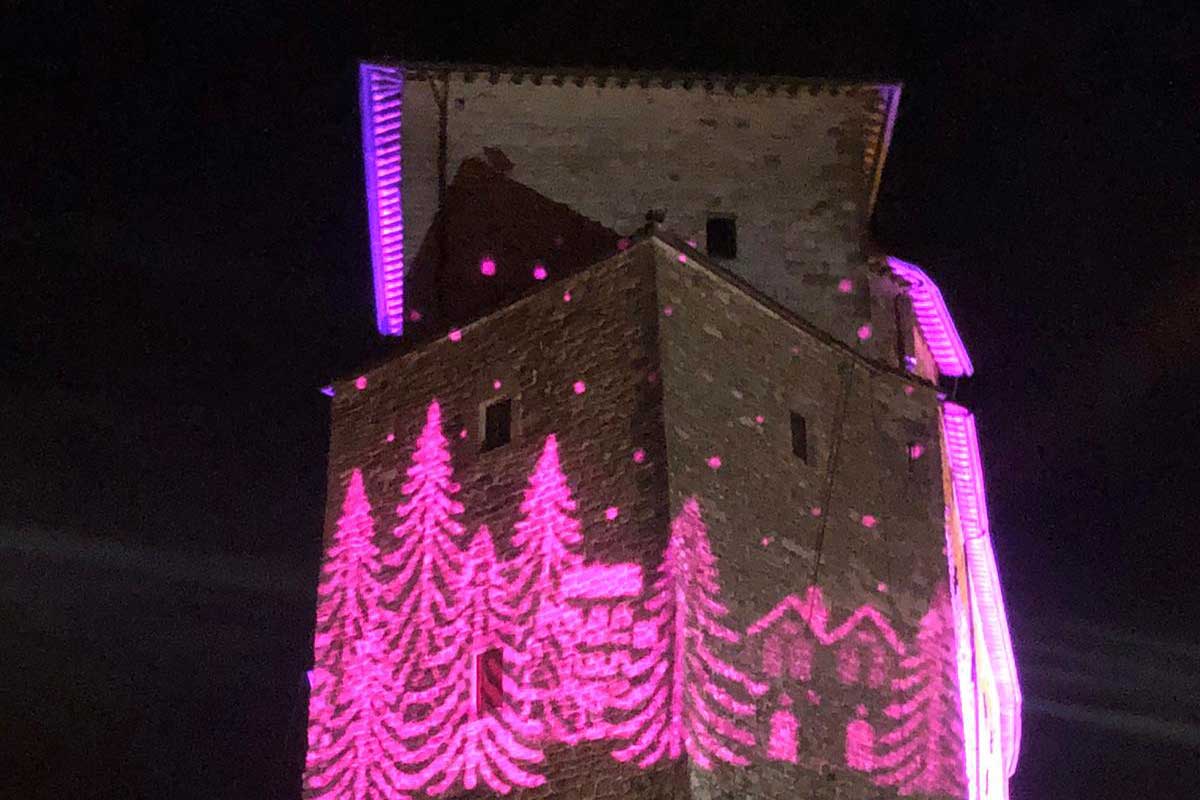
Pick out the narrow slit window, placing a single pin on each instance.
(799, 437)
(721, 234)
(497, 424)
(489, 680)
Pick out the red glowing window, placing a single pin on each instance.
(489, 683)
(721, 233)
(799, 437)
(497, 424)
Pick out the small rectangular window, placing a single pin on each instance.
(799, 437)
(721, 235)
(489, 680)
(497, 424)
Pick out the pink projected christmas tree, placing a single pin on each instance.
(923, 754)
(475, 734)
(350, 708)
(548, 681)
(429, 564)
(680, 683)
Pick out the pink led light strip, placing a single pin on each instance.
(934, 318)
(962, 450)
(381, 94)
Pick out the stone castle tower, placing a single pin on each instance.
(657, 496)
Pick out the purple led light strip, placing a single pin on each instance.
(381, 94)
(934, 318)
(966, 468)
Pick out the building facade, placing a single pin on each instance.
(657, 496)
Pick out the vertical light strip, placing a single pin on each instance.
(934, 318)
(380, 96)
(962, 451)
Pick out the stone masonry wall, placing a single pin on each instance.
(605, 336)
(727, 361)
(790, 167)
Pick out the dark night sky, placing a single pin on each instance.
(184, 261)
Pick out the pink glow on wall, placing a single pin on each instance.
(539, 272)
(487, 267)
(350, 744)
(922, 753)
(496, 384)
(596, 581)
(869, 521)
(428, 566)
(881, 587)
(934, 318)
(455, 335)
(682, 258)
(714, 462)
(639, 455)
(611, 513)
(845, 286)
(908, 390)
(579, 387)
(414, 316)
(864, 332)
(391, 437)
(381, 96)
(860, 743)
(966, 471)
(360, 382)
(668, 310)
(546, 539)
(684, 697)
(863, 658)
(915, 450)
(812, 613)
(623, 244)
(465, 742)
(815, 511)
(566, 297)
(782, 740)
(760, 419)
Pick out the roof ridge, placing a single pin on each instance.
(623, 76)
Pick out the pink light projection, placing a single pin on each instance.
(714, 462)
(864, 332)
(606, 581)
(441, 670)
(579, 387)
(351, 741)
(668, 310)
(922, 753)
(845, 286)
(428, 565)
(496, 384)
(465, 744)
(869, 521)
(546, 539)
(687, 696)
(487, 267)
(566, 297)
(360, 382)
(454, 335)
(539, 272)
(639, 455)
(381, 99)
(934, 319)
(611, 513)
(966, 471)
(782, 742)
